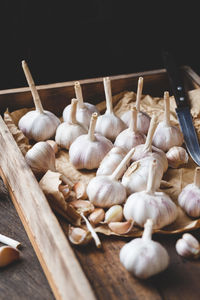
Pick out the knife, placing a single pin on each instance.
(183, 107)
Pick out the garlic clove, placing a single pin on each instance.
(83, 206)
(92, 231)
(114, 214)
(53, 144)
(8, 255)
(79, 236)
(121, 227)
(177, 156)
(41, 158)
(96, 216)
(80, 190)
(65, 190)
(188, 246)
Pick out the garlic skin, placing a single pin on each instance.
(84, 109)
(144, 257)
(108, 124)
(106, 191)
(157, 206)
(67, 132)
(130, 137)
(39, 124)
(41, 158)
(111, 161)
(143, 119)
(177, 156)
(166, 135)
(189, 198)
(188, 246)
(114, 214)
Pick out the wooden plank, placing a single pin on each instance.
(58, 261)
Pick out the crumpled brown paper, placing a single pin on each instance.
(176, 178)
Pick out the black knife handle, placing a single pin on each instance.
(175, 80)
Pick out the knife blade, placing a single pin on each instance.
(183, 107)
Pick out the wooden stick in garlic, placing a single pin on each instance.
(92, 127)
(167, 109)
(139, 93)
(9, 241)
(92, 231)
(108, 93)
(152, 128)
(29, 78)
(79, 95)
(197, 177)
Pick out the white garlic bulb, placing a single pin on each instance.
(177, 156)
(68, 131)
(147, 149)
(188, 246)
(130, 137)
(136, 177)
(106, 191)
(108, 124)
(147, 204)
(144, 257)
(84, 109)
(143, 119)
(88, 150)
(41, 158)
(111, 161)
(38, 124)
(189, 198)
(166, 135)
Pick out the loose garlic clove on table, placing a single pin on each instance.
(108, 124)
(68, 131)
(166, 135)
(105, 191)
(114, 214)
(88, 150)
(130, 137)
(177, 156)
(38, 124)
(188, 246)
(143, 119)
(157, 206)
(8, 255)
(144, 257)
(189, 198)
(84, 109)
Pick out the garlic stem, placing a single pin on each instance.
(92, 231)
(139, 93)
(74, 103)
(151, 178)
(197, 177)
(79, 95)
(148, 228)
(10, 242)
(36, 97)
(108, 93)
(120, 168)
(133, 123)
(152, 128)
(92, 127)
(167, 109)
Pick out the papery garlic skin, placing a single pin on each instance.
(188, 246)
(177, 156)
(41, 158)
(189, 200)
(111, 161)
(39, 126)
(144, 257)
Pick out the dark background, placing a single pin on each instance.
(70, 40)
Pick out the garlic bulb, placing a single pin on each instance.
(189, 198)
(177, 156)
(130, 137)
(108, 124)
(68, 131)
(143, 119)
(136, 177)
(144, 257)
(38, 124)
(41, 158)
(114, 214)
(111, 161)
(106, 190)
(188, 246)
(84, 109)
(88, 150)
(147, 204)
(147, 149)
(166, 135)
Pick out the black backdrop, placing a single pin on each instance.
(70, 40)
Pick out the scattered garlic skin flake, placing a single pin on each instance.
(188, 246)
(144, 257)
(177, 156)
(83, 206)
(79, 236)
(8, 255)
(121, 227)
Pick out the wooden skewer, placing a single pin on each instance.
(79, 95)
(139, 93)
(92, 126)
(108, 93)
(29, 78)
(10, 242)
(167, 109)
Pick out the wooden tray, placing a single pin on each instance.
(85, 273)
